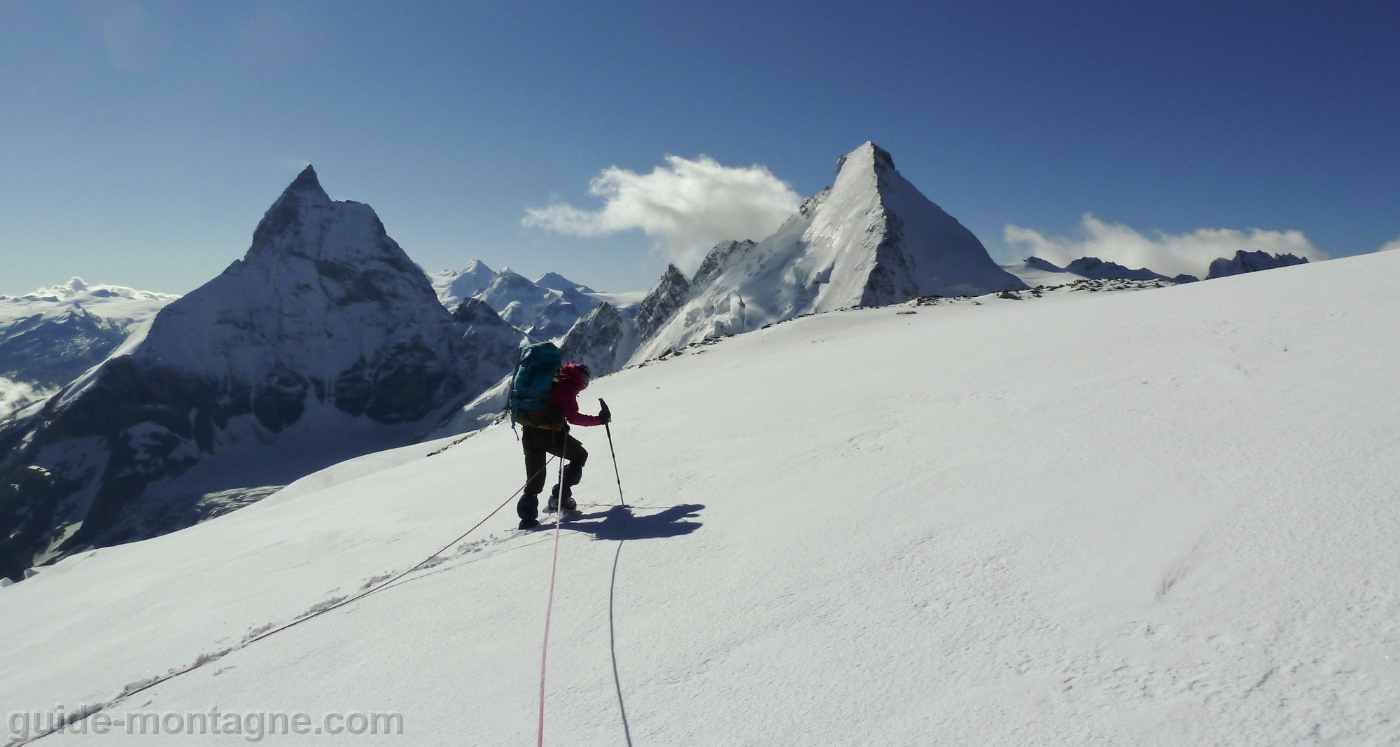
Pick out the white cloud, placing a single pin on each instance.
(685, 206)
(1390, 246)
(1168, 254)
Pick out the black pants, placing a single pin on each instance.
(537, 443)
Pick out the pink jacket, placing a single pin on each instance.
(563, 399)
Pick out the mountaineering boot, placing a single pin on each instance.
(527, 509)
(573, 473)
(553, 505)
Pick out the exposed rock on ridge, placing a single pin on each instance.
(1244, 262)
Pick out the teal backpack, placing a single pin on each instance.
(533, 379)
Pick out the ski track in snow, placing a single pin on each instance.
(1153, 519)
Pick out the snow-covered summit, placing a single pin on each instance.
(870, 239)
(324, 342)
(322, 288)
(545, 308)
(455, 286)
(555, 281)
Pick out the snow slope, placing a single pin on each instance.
(1154, 518)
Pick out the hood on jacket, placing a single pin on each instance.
(573, 376)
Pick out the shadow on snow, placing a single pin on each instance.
(619, 523)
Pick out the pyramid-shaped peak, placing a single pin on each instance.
(868, 156)
(307, 183)
(555, 281)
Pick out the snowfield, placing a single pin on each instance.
(1165, 517)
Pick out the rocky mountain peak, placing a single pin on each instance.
(325, 342)
(301, 212)
(719, 257)
(307, 182)
(670, 293)
(602, 340)
(1244, 262)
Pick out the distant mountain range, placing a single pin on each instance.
(1036, 271)
(132, 414)
(544, 309)
(51, 336)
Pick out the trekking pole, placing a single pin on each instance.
(621, 502)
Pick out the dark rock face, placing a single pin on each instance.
(892, 278)
(602, 340)
(494, 343)
(1097, 269)
(720, 257)
(323, 343)
(474, 311)
(670, 293)
(1244, 262)
(605, 339)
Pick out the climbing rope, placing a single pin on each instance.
(203, 660)
(553, 572)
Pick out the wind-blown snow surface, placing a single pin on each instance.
(1154, 518)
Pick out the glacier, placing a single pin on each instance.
(1153, 518)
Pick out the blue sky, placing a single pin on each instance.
(144, 140)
